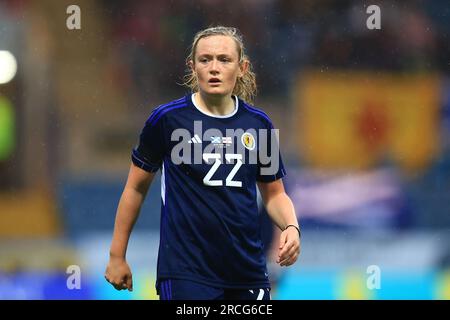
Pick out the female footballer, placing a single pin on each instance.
(213, 149)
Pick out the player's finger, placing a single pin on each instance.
(120, 288)
(129, 283)
(293, 251)
(284, 252)
(285, 260)
(289, 260)
(123, 283)
(293, 259)
(117, 286)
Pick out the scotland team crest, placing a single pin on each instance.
(248, 141)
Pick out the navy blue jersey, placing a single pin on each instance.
(210, 228)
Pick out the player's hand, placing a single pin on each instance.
(289, 248)
(118, 273)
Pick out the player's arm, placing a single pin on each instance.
(118, 272)
(281, 210)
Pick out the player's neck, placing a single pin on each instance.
(218, 106)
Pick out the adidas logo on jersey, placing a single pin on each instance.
(195, 139)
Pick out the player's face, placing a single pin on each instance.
(216, 64)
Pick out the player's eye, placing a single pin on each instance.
(203, 60)
(225, 60)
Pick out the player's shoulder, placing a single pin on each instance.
(164, 110)
(256, 112)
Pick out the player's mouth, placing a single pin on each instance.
(214, 81)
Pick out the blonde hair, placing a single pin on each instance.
(245, 87)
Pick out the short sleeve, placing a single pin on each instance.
(149, 152)
(270, 163)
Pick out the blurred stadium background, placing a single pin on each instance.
(365, 132)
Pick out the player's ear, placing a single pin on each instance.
(243, 67)
(190, 64)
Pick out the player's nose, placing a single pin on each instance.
(214, 66)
